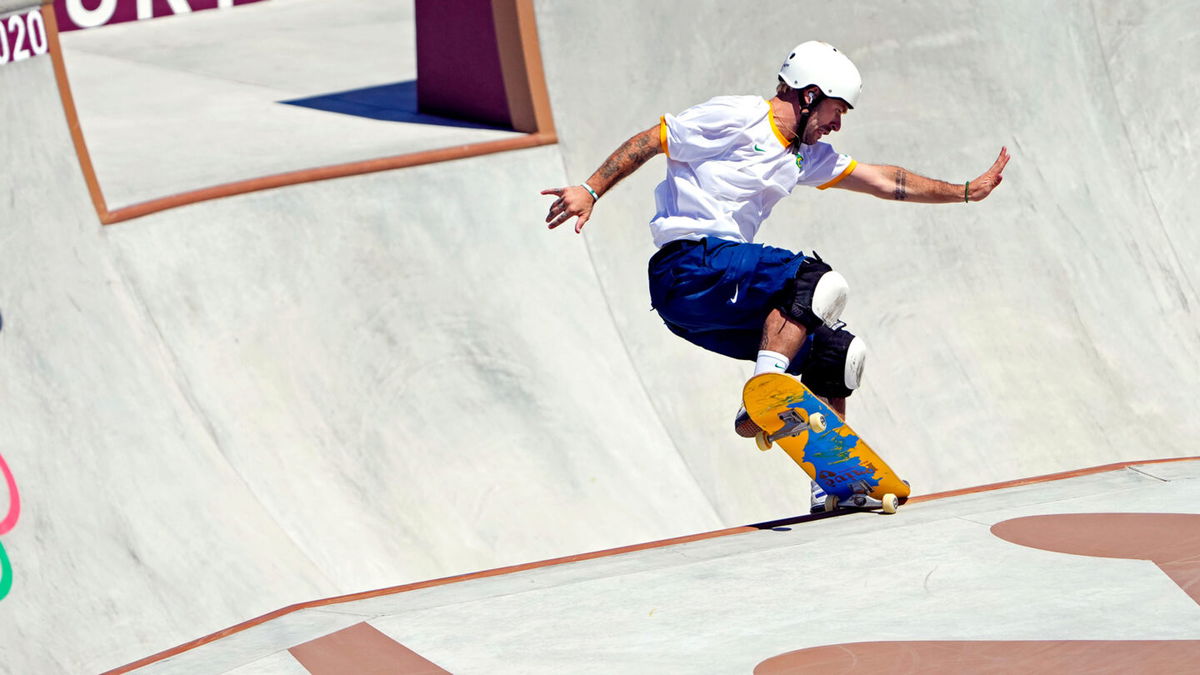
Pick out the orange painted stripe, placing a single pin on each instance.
(425, 584)
(326, 173)
(521, 65)
(535, 73)
(161, 656)
(849, 170)
(1047, 478)
(70, 112)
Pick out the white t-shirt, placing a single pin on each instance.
(727, 167)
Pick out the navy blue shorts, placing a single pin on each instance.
(716, 294)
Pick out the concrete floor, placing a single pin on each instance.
(933, 573)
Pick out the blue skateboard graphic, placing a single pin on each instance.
(817, 439)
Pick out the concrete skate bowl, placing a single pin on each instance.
(226, 407)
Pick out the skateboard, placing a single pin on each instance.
(817, 439)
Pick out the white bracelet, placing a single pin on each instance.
(585, 186)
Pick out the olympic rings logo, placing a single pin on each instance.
(6, 526)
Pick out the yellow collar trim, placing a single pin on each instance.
(774, 127)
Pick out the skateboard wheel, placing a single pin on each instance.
(831, 503)
(890, 503)
(761, 440)
(816, 422)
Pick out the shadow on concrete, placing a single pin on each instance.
(783, 523)
(395, 102)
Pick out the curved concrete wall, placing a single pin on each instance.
(1053, 326)
(134, 529)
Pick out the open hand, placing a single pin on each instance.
(572, 202)
(982, 187)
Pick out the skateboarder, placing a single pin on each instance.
(729, 161)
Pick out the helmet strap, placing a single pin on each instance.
(806, 112)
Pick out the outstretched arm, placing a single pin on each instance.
(576, 201)
(893, 182)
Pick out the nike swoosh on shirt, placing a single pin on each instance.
(758, 149)
(733, 300)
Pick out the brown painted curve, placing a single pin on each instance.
(1169, 540)
(1052, 656)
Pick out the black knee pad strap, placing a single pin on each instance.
(797, 296)
(825, 368)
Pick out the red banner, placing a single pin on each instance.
(79, 14)
(22, 36)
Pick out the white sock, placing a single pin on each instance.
(771, 362)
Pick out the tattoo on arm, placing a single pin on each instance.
(632, 154)
(901, 191)
(903, 185)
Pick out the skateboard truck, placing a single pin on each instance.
(861, 499)
(793, 425)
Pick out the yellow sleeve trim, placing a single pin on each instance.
(662, 135)
(835, 181)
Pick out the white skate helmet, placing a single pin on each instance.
(821, 64)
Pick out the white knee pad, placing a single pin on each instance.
(829, 297)
(816, 295)
(856, 362)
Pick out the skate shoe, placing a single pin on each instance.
(821, 501)
(817, 503)
(743, 425)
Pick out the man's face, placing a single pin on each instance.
(825, 119)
